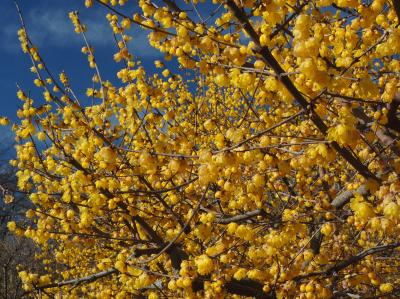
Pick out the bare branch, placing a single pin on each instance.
(396, 6)
(349, 261)
(77, 281)
(274, 64)
(242, 217)
(393, 121)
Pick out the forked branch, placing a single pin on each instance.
(299, 98)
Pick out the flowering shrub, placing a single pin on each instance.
(268, 167)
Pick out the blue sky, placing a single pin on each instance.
(52, 32)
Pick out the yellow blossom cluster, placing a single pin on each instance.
(260, 158)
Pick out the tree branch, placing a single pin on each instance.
(350, 261)
(287, 21)
(77, 281)
(338, 202)
(274, 64)
(383, 133)
(393, 121)
(171, 245)
(241, 217)
(343, 198)
(248, 288)
(396, 6)
(356, 258)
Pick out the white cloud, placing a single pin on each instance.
(139, 45)
(10, 41)
(53, 28)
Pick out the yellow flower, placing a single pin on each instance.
(11, 226)
(392, 210)
(108, 155)
(204, 264)
(4, 121)
(386, 287)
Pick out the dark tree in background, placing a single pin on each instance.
(14, 250)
